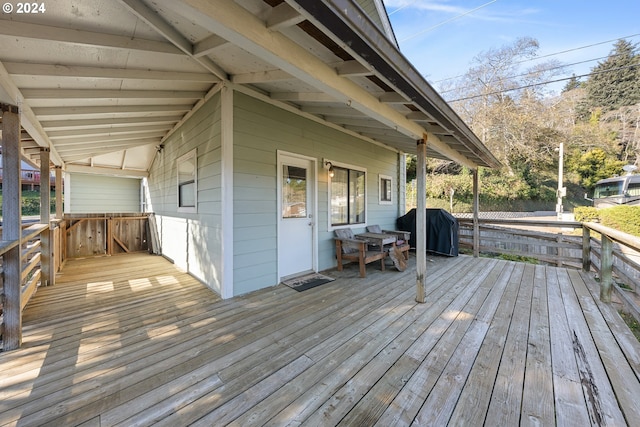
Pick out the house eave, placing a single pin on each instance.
(364, 40)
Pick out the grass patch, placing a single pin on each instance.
(31, 202)
(518, 258)
(632, 323)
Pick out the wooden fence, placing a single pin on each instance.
(86, 235)
(612, 255)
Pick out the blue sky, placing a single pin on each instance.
(441, 37)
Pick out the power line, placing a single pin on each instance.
(537, 71)
(401, 7)
(554, 54)
(447, 21)
(542, 83)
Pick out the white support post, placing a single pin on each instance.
(476, 214)
(402, 184)
(226, 135)
(59, 211)
(421, 220)
(11, 225)
(45, 218)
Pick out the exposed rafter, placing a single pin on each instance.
(79, 37)
(234, 23)
(55, 70)
(156, 22)
(283, 16)
(28, 119)
(208, 45)
(109, 94)
(261, 77)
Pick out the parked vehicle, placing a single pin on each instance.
(620, 190)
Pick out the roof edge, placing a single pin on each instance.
(360, 36)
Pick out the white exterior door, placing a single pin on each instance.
(297, 215)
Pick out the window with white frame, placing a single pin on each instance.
(385, 189)
(188, 182)
(347, 199)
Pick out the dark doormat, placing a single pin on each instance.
(309, 281)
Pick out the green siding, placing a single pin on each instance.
(260, 130)
(192, 240)
(117, 194)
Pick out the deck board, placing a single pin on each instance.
(132, 340)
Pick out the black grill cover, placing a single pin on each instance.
(442, 231)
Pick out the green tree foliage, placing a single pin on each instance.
(594, 166)
(572, 83)
(615, 82)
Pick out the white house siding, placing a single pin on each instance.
(192, 240)
(116, 194)
(260, 130)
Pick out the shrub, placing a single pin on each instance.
(586, 214)
(623, 218)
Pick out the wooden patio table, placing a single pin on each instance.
(378, 239)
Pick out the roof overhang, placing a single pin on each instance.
(102, 83)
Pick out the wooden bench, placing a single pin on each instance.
(350, 248)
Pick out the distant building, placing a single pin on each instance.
(30, 177)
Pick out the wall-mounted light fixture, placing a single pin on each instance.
(328, 166)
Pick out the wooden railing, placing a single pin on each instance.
(85, 235)
(614, 256)
(17, 288)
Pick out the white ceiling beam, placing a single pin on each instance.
(208, 45)
(283, 16)
(132, 173)
(419, 115)
(261, 77)
(28, 119)
(352, 69)
(377, 132)
(78, 37)
(363, 122)
(55, 70)
(91, 150)
(393, 98)
(110, 94)
(51, 113)
(302, 97)
(155, 21)
(60, 137)
(236, 24)
(151, 135)
(124, 159)
(107, 123)
(330, 111)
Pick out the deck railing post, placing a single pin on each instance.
(606, 266)
(45, 218)
(421, 220)
(586, 249)
(11, 225)
(476, 214)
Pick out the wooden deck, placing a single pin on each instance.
(131, 340)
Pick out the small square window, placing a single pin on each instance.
(187, 182)
(386, 190)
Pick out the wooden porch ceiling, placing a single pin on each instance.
(497, 343)
(102, 83)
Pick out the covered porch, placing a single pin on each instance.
(496, 343)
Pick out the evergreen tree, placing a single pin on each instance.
(573, 83)
(615, 82)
